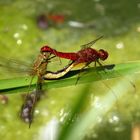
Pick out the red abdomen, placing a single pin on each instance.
(71, 56)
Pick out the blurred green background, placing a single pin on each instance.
(23, 32)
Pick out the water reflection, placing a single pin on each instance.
(49, 131)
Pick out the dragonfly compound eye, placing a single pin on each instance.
(103, 54)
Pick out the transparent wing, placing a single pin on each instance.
(90, 43)
(13, 65)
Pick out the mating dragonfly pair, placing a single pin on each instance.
(85, 56)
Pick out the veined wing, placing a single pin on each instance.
(16, 66)
(90, 43)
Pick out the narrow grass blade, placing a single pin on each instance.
(21, 84)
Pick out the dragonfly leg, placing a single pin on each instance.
(101, 66)
(86, 65)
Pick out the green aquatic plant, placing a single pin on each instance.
(20, 84)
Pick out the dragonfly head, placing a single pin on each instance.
(45, 56)
(46, 51)
(103, 55)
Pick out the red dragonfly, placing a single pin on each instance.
(85, 55)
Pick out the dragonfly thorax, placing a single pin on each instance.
(40, 64)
